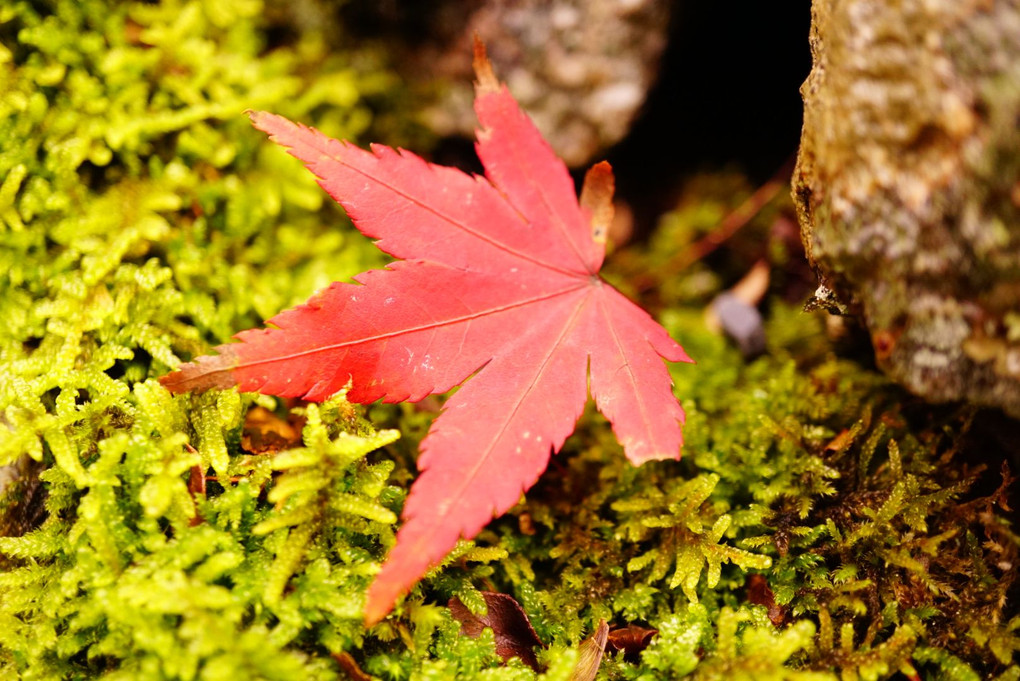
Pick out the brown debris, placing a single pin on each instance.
(266, 433)
(631, 640)
(759, 593)
(350, 667)
(590, 654)
(515, 637)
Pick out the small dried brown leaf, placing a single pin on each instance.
(196, 487)
(631, 640)
(515, 637)
(759, 593)
(841, 442)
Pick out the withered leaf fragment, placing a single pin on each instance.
(350, 667)
(515, 637)
(590, 654)
(266, 433)
(759, 593)
(631, 640)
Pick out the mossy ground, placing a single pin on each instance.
(146, 537)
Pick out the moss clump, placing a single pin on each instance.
(143, 219)
(853, 503)
(147, 536)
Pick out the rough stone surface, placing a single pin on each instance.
(580, 68)
(908, 187)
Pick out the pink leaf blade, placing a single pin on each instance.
(380, 336)
(522, 165)
(629, 379)
(459, 220)
(489, 445)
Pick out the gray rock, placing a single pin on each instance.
(580, 68)
(908, 187)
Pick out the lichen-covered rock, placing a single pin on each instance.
(908, 186)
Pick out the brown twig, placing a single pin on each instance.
(729, 226)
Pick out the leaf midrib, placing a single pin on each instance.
(422, 327)
(456, 223)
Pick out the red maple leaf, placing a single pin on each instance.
(498, 281)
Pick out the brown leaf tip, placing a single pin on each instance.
(597, 199)
(210, 372)
(487, 82)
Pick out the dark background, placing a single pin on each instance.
(727, 97)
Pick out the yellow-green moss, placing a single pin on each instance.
(143, 221)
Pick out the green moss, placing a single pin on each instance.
(142, 538)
